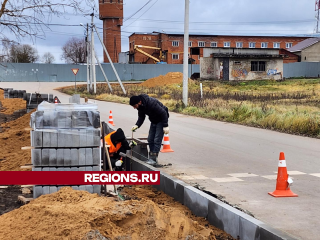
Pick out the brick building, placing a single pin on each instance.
(172, 45)
(111, 13)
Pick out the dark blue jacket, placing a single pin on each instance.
(156, 111)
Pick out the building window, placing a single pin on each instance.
(237, 63)
(190, 44)
(201, 44)
(264, 45)
(239, 44)
(226, 44)
(175, 56)
(258, 66)
(288, 45)
(214, 44)
(276, 45)
(175, 43)
(252, 45)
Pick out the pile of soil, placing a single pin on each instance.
(162, 80)
(70, 214)
(10, 105)
(13, 136)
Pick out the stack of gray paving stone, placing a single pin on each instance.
(6, 92)
(65, 137)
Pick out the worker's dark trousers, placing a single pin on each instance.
(155, 137)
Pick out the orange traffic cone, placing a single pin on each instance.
(56, 99)
(111, 119)
(166, 144)
(282, 187)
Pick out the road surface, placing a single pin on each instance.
(237, 162)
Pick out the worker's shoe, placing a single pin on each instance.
(153, 159)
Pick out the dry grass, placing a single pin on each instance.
(292, 106)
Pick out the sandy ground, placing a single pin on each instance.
(162, 80)
(13, 136)
(70, 214)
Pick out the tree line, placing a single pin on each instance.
(73, 51)
(28, 19)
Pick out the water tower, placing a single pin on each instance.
(111, 13)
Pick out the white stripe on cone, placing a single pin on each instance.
(282, 163)
(166, 142)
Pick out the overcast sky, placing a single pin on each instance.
(232, 17)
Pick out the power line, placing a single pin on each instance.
(149, 1)
(229, 23)
(142, 14)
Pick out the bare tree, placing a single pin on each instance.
(5, 50)
(28, 17)
(48, 58)
(22, 53)
(75, 51)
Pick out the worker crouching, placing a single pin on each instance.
(117, 144)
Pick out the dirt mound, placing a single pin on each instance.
(70, 214)
(162, 80)
(10, 105)
(12, 138)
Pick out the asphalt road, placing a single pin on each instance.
(237, 162)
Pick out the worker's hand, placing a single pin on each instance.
(118, 163)
(134, 128)
(166, 130)
(132, 144)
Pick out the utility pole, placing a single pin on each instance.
(93, 64)
(185, 54)
(88, 69)
(317, 9)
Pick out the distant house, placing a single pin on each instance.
(241, 64)
(308, 50)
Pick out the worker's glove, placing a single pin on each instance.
(118, 163)
(132, 144)
(134, 128)
(166, 130)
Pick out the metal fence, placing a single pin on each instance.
(33, 72)
(301, 69)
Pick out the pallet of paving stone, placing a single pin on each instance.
(65, 138)
(66, 157)
(6, 92)
(65, 119)
(12, 93)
